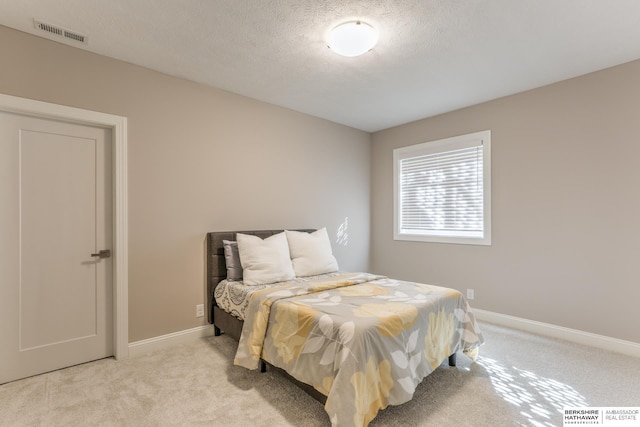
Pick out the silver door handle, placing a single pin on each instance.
(105, 253)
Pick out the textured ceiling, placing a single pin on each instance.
(433, 56)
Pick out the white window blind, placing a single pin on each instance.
(440, 190)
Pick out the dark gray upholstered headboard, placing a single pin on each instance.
(216, 267)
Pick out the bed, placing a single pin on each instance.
(356, 342)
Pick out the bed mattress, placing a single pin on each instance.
(233, 296)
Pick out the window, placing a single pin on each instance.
(442, 190)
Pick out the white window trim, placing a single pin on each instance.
(439, 146)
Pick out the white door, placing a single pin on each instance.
(55, 214)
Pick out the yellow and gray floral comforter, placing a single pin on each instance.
(364, 341)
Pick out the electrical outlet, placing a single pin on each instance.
(470, 294)
(200, 310)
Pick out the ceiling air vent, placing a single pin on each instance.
(60, 32)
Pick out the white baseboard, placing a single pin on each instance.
(164, 341)
(629, 348)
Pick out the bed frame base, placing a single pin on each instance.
(452, 360)
(223, 321)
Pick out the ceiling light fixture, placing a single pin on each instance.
(353, 38)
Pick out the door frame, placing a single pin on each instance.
(120, 250)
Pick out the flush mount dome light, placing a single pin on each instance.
(352, 38)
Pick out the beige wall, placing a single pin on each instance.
(566, 205)
(565, 187)
(201, 159)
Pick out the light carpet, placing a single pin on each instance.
(520, 379)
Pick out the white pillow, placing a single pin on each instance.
(264, 261)
(311, 253)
